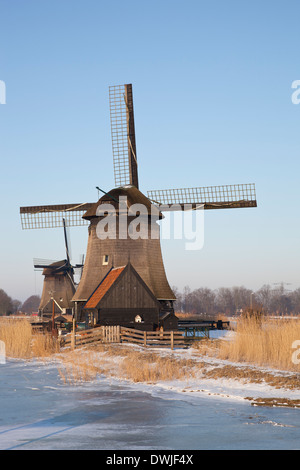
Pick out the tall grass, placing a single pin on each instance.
(44, 345)
(139, 367)
(77, 368)
(16, 335)
(21, 342)
(263, 341)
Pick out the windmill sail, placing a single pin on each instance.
(211, 197)
(58, 266)
(52, 216)
(66, 242)
(123, 135)
(40, 264)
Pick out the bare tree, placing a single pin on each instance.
(264, 297)
(17, 304)
(203, 300)
(242, 298)
(178, 305)
(295, 298)
(224, 300)
(6, 303)
(231, 300)
(31, 304)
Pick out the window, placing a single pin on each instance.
(105, 259)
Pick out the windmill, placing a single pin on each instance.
(59, 286)
(143, 253)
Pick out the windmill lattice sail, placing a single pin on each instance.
(123, 135)
(53, 216)
(210, 197)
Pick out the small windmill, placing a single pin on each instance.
(144, 255)
(59, 286)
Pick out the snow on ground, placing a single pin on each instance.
(232, 389)
(221, 387)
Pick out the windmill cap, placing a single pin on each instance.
(133, 195)
(59, 267)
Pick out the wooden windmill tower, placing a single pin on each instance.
(143, 253)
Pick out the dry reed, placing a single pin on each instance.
(263, 341)
(74, 370)
(21, 342)
(16, 335)
(44, 345)
(140, 367)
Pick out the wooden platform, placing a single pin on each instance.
(197, 329)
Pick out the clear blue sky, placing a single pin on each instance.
(212, 96)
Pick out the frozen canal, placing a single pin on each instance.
(39, 412)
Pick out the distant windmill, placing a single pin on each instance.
(59, 286)
(144, 254)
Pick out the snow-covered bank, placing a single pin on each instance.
(225, 388)
(232, 389)
(204, 376)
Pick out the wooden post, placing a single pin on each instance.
(73, 339)
(172, 339)
(74, 317)
(53, 314)
(145, 338)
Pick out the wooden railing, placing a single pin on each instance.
(153, 338)
(82, 337)
(119, 334)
